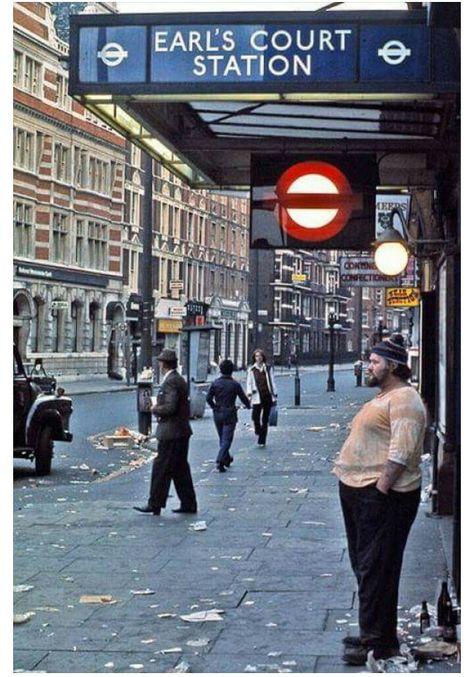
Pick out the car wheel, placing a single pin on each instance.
(44, 451)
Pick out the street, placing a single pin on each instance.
(273, 558)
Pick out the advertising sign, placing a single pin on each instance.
(402, 297)
(383, 208)
(313, 202)
(298, 277)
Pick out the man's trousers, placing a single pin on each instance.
(225, 422)
(377, 527)
(171, 463)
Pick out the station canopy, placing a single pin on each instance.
(204, 92)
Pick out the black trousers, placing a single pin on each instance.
(377, 528)
(260, 414)
(225, 422)
(171, 463)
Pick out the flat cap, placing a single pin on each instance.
(167, 355)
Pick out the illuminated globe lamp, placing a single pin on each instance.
(391, 252)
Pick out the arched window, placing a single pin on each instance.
(76, 326)
(37, 326)
(57, 326)
(94, 320)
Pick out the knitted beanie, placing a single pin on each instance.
(392, 350)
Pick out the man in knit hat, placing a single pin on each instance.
(379, 488)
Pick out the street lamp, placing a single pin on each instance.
(333, 323)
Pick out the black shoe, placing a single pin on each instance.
(147, 509)
(220, 467)
(191, 512)
(352, 641)
(229, 461)
(355, 655)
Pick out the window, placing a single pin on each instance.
(99, 175)
(222, 239)
(80, 242)
(24, 232)
(62, 169)
(60, 237)
(133, 279)
(17, 67)
(80, 167)
(135, 156)
(97, 245)
(63, 100)
(23, 149)
(76, 327)
(32, 76)
(135, 208)
(213, 234)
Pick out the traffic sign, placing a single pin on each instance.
(315, 200)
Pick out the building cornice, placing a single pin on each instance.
(67, 127)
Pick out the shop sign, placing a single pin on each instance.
(402, 297)
(361, 271)
(176, 284)
(59, 305)
(177, 311)
(169, 326)
(299, 277)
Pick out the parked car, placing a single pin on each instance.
(39, 418)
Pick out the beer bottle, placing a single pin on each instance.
(445, 606)
(449, 630)
(424, 617)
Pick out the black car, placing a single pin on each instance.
(38, 418)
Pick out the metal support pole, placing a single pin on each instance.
(331, 385)
(144, 417)
(297, 386)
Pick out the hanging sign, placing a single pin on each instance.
(402, 297)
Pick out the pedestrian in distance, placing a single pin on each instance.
(379, 488)
(358, 368)
(173, 433)
(221, 397)
(262, 392)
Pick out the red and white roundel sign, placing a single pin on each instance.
(315, 201)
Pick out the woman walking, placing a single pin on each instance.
(262, 392)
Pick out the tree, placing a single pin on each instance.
(61, 12)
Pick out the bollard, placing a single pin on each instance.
(297, 389)
(144, 395)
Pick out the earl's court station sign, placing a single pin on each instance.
(203, 52)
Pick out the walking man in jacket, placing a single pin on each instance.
(221, 398)
(379, 488)
(173, 433)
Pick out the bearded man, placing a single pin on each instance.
(379, 487)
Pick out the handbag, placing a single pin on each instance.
(273, 416)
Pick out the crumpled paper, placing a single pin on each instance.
(200, 616)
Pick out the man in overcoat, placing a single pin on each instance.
(173, 433)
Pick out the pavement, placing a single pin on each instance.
(102, 384)
(272, 560)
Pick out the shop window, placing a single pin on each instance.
(23, 149)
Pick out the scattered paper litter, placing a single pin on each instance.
(96, 599)
(199, 642)
(435, 649)
(274, 653)
(198, 526)
(22, 588)
(23, 618)
(295, 490)
(166, 615)
(182, 667)
(142, 592)
(250, 668)
(84, 466)
(175, 649)
(136, 666)
(45, 608)
(109, 665)
(316, 428)
(340, 621)
(148, 641)
(289, 663)
(200, 616)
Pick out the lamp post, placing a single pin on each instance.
(333, 324)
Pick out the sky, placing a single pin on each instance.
(246, 6)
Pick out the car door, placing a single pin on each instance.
(22, 399)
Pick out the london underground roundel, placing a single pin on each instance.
(315, 201)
